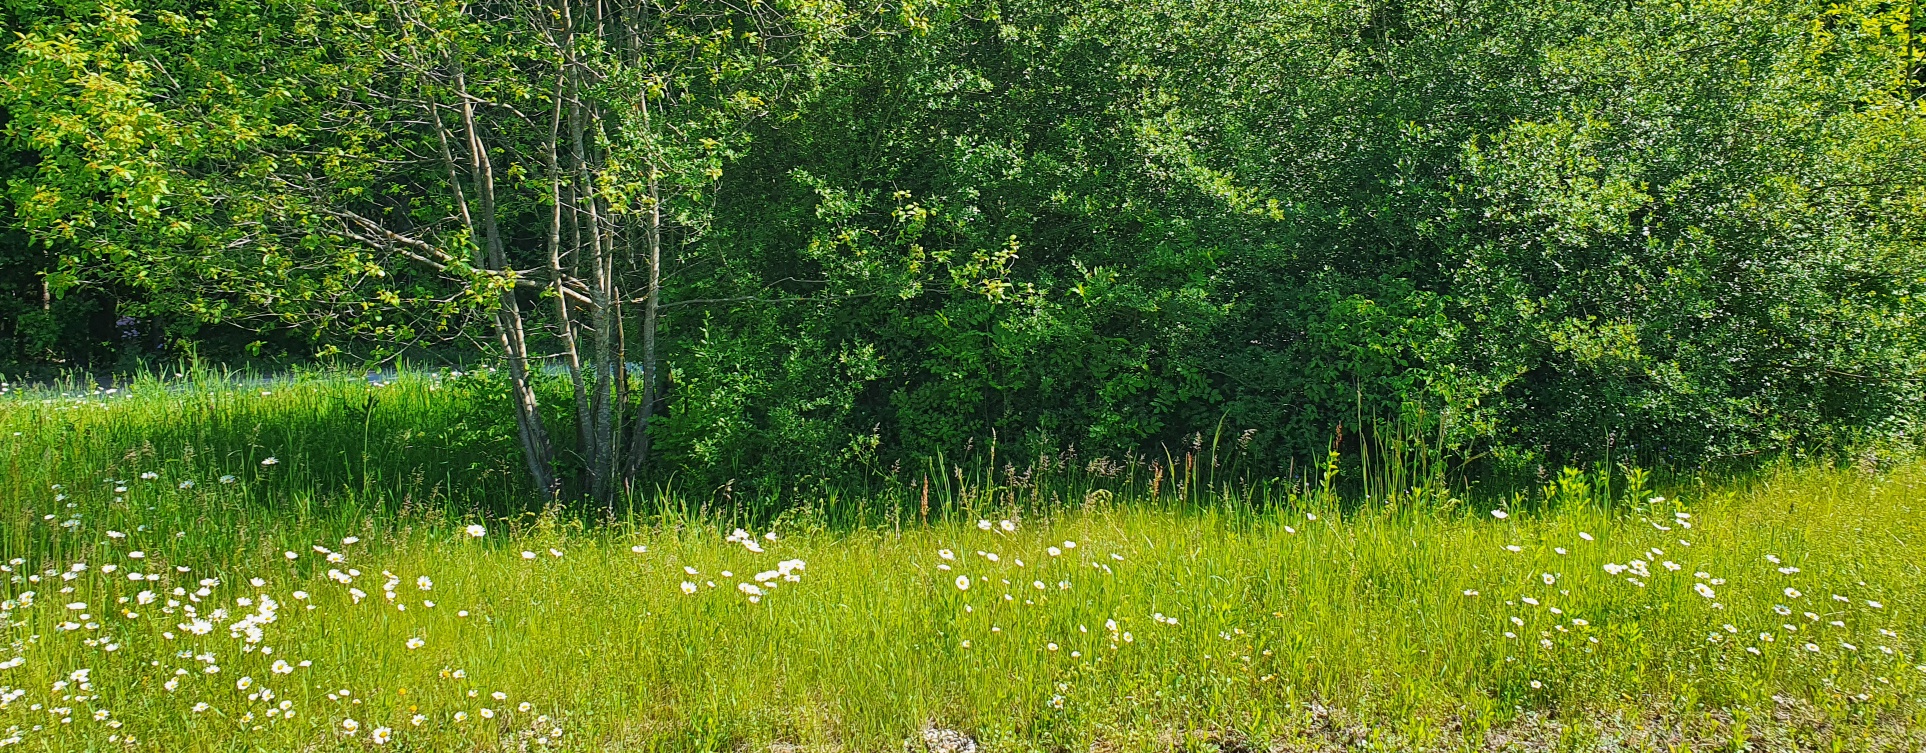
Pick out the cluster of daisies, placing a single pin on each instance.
(1558, 628)
(753, 587)
(1032, 582)
(210, 641)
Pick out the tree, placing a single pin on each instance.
(369, 171)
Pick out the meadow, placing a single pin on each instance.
(328, 564)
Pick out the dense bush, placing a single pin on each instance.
(1686, 231)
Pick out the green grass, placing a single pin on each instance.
(1299, 621)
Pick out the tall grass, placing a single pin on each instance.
(1244, 614)
(446, 438)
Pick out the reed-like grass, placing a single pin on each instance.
(1218, 621)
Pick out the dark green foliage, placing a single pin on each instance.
(1556, 231)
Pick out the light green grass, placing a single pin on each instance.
(1272, 619)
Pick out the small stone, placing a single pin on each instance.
(939, 740)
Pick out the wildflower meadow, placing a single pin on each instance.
(186, 571)
(962, 376)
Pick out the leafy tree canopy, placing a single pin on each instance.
(762, 234)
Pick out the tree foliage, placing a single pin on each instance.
(1540, 232)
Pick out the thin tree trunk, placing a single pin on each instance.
(600, 455)
(651, 303)
(536, 448)
(639, 445)
(622, 361)
(571, 335)
(607, 335)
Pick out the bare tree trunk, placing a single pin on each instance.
(600, 454)
(533, 437)
(621, 353)
(651, 303)
(608, 327)
(508, 313)
(622, 386)
(571, 335)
